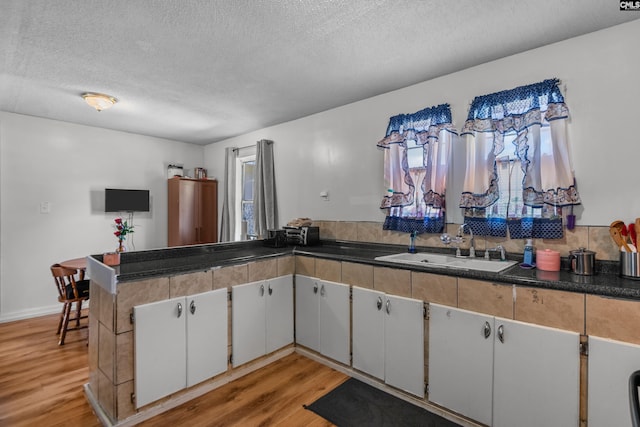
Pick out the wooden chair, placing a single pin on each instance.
(70, 291)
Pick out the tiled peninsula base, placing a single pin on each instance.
(110, 389)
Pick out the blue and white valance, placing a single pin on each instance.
(420, 126)
(516, 109)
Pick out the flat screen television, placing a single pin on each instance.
(118, 200)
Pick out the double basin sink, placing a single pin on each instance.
(447, 261)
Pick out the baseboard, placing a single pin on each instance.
(30, 313)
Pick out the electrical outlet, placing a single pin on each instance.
(45, 207)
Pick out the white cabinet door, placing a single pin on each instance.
(335, 321)
(404, 344)
(307, 312)
(248, 322)
(160, 349)
(536, 376)
(206, 335)
(610, 365)
(461, 361)
(279, 312)
(368, 324)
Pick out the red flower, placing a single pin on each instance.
(122, 229)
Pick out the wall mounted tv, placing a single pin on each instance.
(118, 200)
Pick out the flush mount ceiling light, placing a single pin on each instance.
(99, 101)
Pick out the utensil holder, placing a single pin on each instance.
(630, 265)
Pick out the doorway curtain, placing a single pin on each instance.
(227, 228)
(264, 191)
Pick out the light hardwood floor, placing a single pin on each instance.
(41, 385)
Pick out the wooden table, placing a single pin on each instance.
(79, 264)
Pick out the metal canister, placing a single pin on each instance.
(582, 262)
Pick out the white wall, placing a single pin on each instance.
(335, 150)
(70, 166)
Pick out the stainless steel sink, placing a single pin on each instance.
(447, 261)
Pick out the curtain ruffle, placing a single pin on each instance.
(544, 96)
(420, 126)
(411, 225)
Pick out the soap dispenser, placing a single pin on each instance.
(412, 242)
(528, 252)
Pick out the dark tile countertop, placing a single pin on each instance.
(171, 261)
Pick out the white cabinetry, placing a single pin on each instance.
(461, 361)
(388, 338)
(178, 343)
(323, 317)
(534, 369)
(610, 365)
(262, 318)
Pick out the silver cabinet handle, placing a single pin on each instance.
(270, 290)
(322, 290)
(379, 303)
(388, 306)
(486, 330)
(179, 309)
(262, 290)
(192, 307)
(501, 333)
(315, 288)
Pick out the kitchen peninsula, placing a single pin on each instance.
(561, 300)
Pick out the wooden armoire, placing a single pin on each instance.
(193, 211)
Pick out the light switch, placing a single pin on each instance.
(325, 195)
(45, 207)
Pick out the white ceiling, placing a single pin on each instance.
(201, 71)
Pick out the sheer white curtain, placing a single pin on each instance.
(533, 120)
(416, 161)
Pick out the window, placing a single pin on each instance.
(245, 175)
(510, 203)
(416, 159)
(519, 174)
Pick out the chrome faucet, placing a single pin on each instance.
(500, 248)
(472, 242)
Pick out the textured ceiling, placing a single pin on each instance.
(204, 70)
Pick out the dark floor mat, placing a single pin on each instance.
(354, 403)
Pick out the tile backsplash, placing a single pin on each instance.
(595, 238)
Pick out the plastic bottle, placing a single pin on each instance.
(412, 242)
(528, 252)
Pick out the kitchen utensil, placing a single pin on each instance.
(626, 237)
(571, 219)
(582, 262)
(615, 229)
(632, 234)
(637, 227)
